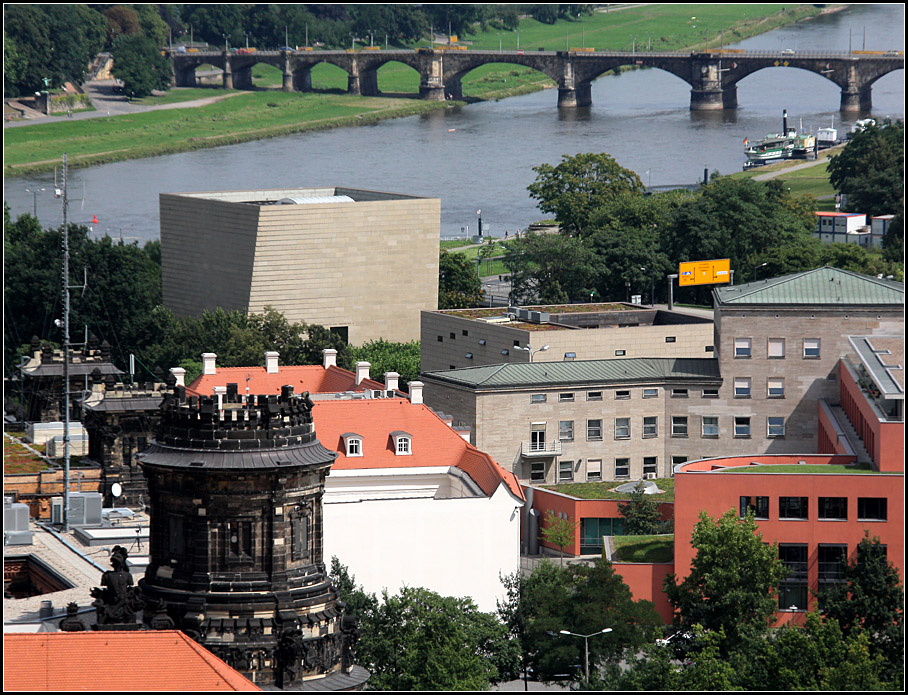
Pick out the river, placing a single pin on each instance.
(482, 156)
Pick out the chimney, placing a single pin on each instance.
(179, 374)
(208, 367)
(271, 362)
(391, 381)
(219, 393)
(416, 392)
(362, 372)
(330, 357)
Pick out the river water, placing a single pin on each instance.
(482, 156)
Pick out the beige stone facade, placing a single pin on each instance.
(466, 338)
(361, 262)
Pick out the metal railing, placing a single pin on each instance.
(531, 449)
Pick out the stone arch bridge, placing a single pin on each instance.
(712, 75)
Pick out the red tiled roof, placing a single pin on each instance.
(114, 661)
(434, 443)
(311, 378)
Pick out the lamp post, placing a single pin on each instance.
(34, 199)
(586, 648)
(756, 268)
(529, 348)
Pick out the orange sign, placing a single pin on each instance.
(704, 272)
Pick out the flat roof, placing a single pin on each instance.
(579, 373)
(884, 359)
(330, 195)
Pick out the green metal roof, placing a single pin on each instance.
(573, 373)
(822, 286)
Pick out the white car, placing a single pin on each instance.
(788, 52)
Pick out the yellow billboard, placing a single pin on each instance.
(704, 272)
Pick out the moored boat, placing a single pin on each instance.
(789, 144)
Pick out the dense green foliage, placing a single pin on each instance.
(557, 531)
(139, 65)
(616, 242)
(583, 599)
(419, 640)
(641, 513)
(731, 587)
(384, 356)
(459, 286)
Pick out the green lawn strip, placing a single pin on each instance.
(832, 469)
(606, 491)
(179, 95)
(644, 548)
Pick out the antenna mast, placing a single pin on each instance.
(66, 446)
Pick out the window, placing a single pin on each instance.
(742, 387)
(650, 393)
(354, 444)
(403, 446)
(758, 505)
(452, 336)
(239, 540)
(594, 469)
(650, 426)
(650, 465)
(440, 339)
(775, 348)
(299, 536)
(811, 348)
(742, 426)
(620, 353)
(793, 589)
(622, 395)
(679, 393)
(622, 468)
(775, 387)
(775, 427)
(679, 425)
(832, 508)
(565, 471)
(594, 430)
(592, 531)
(678, 460)
(465, 332)
(831, 561)
(594, 396)
(792, 507)
(872, 508)
(709, 426)
(516, 343)
(566, 430)
(709, 348)
(538, 398)
(537, 436)
(669, 339)
(742, 348)
(565, 397)
(710, 393)
(537, 471)
(622, 427)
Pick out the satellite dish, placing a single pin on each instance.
(116, 489)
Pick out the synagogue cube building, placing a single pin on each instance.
(361, 263)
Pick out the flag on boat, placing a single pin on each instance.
(745, 142)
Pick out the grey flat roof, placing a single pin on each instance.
(884, 359)
(582, 372)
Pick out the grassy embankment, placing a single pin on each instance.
(800, 180)
(267, 113)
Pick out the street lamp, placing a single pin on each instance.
(529, 348)
(34, 199)
(757, 268)
(586, 648)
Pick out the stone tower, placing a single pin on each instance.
(235, 486)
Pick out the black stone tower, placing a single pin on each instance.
(235, 488)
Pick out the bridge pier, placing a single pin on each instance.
(856, 100)
(707, 100)
(431, 78)
(286, 75)
(575, 97)
(368, 84)
(227, 79)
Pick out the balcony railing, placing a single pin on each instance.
(535, 449)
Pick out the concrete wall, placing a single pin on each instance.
(441, 351)
(370, 266)
(455, 547)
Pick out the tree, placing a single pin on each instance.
(557, 531)
(139, 65)
(870, 170)
(459, 286)
(582, 599)
(549, 268)
(385, 356)
(579, 185)
(732, 582)
(641, 513)
(871, 600)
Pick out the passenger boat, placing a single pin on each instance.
(789, 144)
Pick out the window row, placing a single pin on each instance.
(829, 508)
(775, 387)
(709, 428)
(401, 444)
(775, 348)
(624, 394)
(594, 469)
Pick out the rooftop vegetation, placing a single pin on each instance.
(644, 548)
(606, 491)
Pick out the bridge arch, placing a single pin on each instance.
(453, 77)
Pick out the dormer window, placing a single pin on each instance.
(353, 443)
(403, 443)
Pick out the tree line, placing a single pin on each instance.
(122, 303)
(722, 636)
(615, 241)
